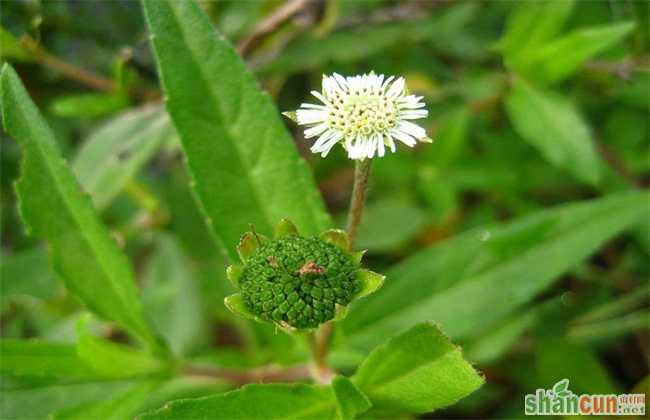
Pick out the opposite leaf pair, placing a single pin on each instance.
(298, 282)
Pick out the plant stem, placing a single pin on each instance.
(319, 342)
(261, 374)
(361, 174)
(321, 339)
(70, 70)
(270, 24)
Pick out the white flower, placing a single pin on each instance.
(364, 113)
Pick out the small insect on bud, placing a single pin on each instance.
(297, 282)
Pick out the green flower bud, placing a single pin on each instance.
(298, 282)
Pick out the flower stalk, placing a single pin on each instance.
(322, 339)
(361, 175)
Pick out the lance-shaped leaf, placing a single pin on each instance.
(460, 282)
(113, 360)
(562, 57)
(114, 153)
(42, 359)
(245, 166)
(271, 401)
(54, 208)
(553, 126)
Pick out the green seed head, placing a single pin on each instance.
(298, 280)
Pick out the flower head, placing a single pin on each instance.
(365, 113)
(297, 282)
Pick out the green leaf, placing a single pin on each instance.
(268, 401)
(36, 358)
(114, 153)
(349, 400)
(553, 126)
(171, 297)
(461, 282)
(89, 105)
(353, 45)
(496, 341)
(37, 402)
(564, 56)
(450, 139)
(418, 371)
(123, 406)
(245, 167)
(100, 399)
(27, 273)
(11, 48)
(112, 360)
(557, 359)
(54, 208)
(530, 25)
(389, 224)
(616, 306)
(610, 328)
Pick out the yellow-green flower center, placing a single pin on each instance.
(362, 113)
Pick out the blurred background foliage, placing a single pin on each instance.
(532, 105)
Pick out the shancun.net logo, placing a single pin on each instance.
(561, 401)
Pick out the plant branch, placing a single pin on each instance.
(69, 70)
(257, 375)
(612, 160)
(270, 24)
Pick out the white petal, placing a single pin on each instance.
(414, 114)
(316, 130)
(391, 143)
(387, 82)
(309, 116)
(325, 149)
(397, 88)
(403, 137)
(320, 96)
(370, 148)
(412, 129)
(321, 140)
(312, 106)
(341, 80)
(380, 146)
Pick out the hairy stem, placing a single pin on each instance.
(322, 339)
(361, 175)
